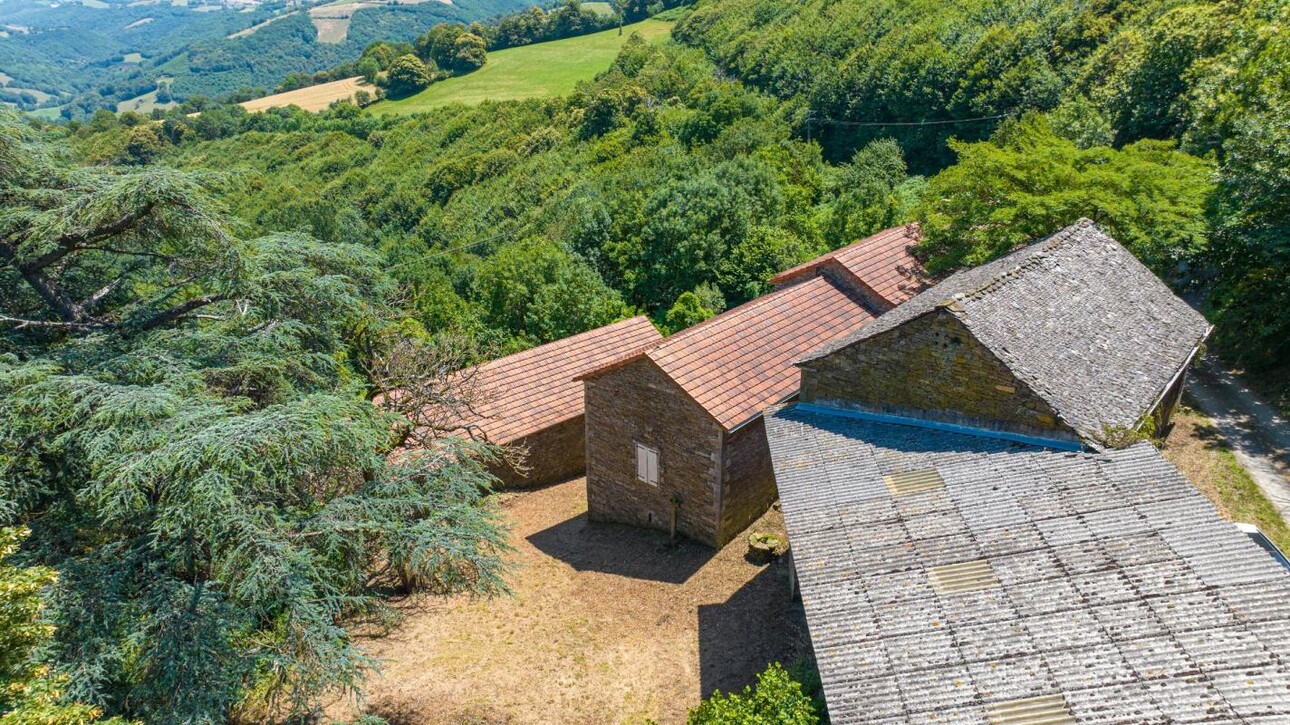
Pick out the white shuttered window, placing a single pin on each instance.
(647, 464)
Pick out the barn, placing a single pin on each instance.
(1070, 337)
(533, 400)
(972, 549)
(674, 434)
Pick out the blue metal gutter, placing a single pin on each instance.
(1060, 445)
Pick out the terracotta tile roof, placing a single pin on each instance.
(741, 361)
(882, 264)
(538, 388)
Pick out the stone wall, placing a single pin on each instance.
(930, 367)
(748, 486)
(552, 455)
(639, 403)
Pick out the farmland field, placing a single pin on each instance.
(541, 70)
(313, 98)
(145, 103)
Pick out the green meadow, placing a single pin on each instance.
(531, 71)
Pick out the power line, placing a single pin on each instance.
(947, 122)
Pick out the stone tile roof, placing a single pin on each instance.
(538, 388)
(881, 264)
(1076, 317)
(1102, 585)
(741, 361)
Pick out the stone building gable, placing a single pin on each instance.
(1077, 316)
(931, 367)
(638, 403)
(551, 455)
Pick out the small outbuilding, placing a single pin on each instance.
(533, 399)
(1071, 337)
(675, 439)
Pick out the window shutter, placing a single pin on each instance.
(642, 462)
(646, 464)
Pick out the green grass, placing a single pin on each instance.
(49, 114)
(1248, 502)
(542, 70)
(601, 8)
(1204, 456)
(143, 104)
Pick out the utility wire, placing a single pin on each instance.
(948, 122)
(809, 119)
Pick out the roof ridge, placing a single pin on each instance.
(1039, 248)
(878, 236)
(571, 339)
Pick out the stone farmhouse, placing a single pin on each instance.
(1067, 338)
(675, 438)
(533, 399)
(969, 547)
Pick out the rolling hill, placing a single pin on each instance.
(84, 56)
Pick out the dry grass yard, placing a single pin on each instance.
(607, 625)
(313, 98)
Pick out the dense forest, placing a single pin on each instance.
(199, 311)
(1109, 75)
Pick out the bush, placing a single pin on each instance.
(409, 75)
(777, 699)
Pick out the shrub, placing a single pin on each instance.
(409, 75)
(777, 699)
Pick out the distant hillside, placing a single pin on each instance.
(542, 70)
(63, 49)
(99, 55)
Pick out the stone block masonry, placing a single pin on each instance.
(552, 455)
(638, 403)
(931, 367)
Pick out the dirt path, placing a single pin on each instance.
(607, 625)
(1258, 436)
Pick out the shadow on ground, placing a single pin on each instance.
(730, 657)
(624, 550)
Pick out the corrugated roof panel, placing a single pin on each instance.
(968, 576)
(1043, 710)
(921, 480)
(1110, 620)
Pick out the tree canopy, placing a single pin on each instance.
(188, 429)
